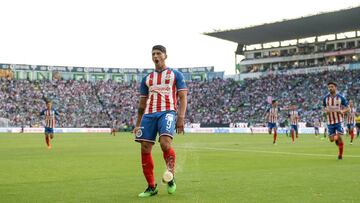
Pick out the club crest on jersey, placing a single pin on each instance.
(167, 77)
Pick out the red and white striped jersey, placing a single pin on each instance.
(273, 114)
(294, 117)
(350, 118)
(50, 117)
(161, 89)
(334, 104)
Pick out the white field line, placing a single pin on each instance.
(265, 152)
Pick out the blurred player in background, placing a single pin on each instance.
(51, 116)
(272, 116)
(287, 127)
(317, 125)
(350, 120)
(113, 127)
(335, 106)
(294, 119)
(157, 113)
(357, 120)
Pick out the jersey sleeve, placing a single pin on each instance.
(180, 81)
(56, 112)
(344, 102)
(144, 90)
(324, 102)
(42, 112)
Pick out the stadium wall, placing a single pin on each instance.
(57, 130)
(255, 130)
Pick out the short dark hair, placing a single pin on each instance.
(160, 48)
(332, 83)
(273, 101)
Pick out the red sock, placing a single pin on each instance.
(148, 168)
(341, 148)
(275, 135)
(169, 157)
(47, 140)
(292, 135)
(352, 135)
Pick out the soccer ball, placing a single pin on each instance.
(167, 177)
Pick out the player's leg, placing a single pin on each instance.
(275, 133)
(166, 127)
(146, 136)
(47, 137)
(292, 133)
(296, 131)
(337, 131)
(269, 128)
(351, 132)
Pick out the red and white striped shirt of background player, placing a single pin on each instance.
(162, 89)
(50, 117)
(350, 118)
(334, 103)
(273, 114)
(294, 117)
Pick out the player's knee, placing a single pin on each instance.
(146, 147)
(165, 143)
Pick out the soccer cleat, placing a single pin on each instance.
(49, 147)
(171, 188)
(351, 143)
(339, 157)
(150, 191)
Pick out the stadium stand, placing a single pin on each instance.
(217, 101)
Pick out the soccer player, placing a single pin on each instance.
(157, 114)
(357, 126)
(294, 119)
(50, 121)
(333, 104)
(350, 120)
(113, 127)
(317, 125)
(272, 117)
(287, 126)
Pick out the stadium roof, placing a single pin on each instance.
(310, 26)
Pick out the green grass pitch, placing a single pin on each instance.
(210, 168)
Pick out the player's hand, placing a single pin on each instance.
(180, 125)
(135, 130)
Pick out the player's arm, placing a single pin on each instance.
(182, 111)
(182, 94)
(267, 114)
(144, 92)
(345, 104)
(57, 116)
(325, 109)
(41, 113)
(141, 110)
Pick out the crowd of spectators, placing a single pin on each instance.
(218, 101)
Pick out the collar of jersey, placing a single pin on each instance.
(162, 70)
